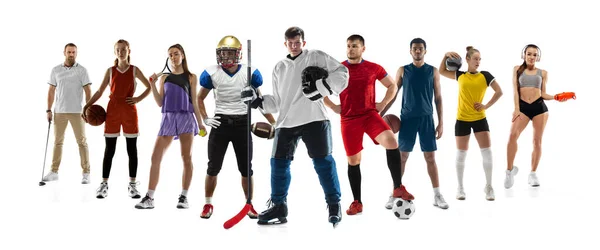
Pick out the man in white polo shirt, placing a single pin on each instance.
(68, 81)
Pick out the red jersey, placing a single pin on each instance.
(359, 97)
(122, 84)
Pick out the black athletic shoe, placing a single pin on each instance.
(276, 214)
(335, 213)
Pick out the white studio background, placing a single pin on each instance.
(66, 214)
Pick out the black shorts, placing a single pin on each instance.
(533, 109)
(462, 128)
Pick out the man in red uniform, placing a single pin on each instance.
(360, 114)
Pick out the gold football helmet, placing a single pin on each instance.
(229, 51)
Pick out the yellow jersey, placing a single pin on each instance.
(471, 89)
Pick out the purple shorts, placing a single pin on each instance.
(174, 124)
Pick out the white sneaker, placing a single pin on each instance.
(102, 191)
(133, 192)
(489, 193)
(438, 201)
(145, 203)
(509, 180)
(460, 194)
(390, 203)
(182, 203)
(86, 178)
(533, 180)
(51, 176)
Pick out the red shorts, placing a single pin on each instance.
(353, 130)
(120, 114)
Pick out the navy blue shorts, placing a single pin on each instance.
(315, 135)
(409, 129)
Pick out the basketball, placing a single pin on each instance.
(96, 115)
(263, 130)
(393, 121)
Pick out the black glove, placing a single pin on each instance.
(249, 96)
(314, 83)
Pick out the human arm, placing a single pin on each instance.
(97, 94)
(491, 81)
(445, 72)
(51, 91)
(516, 98)
(390, 94)
(159, 93)
(437, 89)
(398, 80)
(545, 95)
(334, 107)
(140, 76)
(193, 94)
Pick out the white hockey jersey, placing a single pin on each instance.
(227, 87)
(293, 107)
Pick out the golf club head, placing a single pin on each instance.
(42, 183)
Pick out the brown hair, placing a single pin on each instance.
(70, 45)
(524, 64)
(293, 32)
(184, 62)
(521, 68)
(471, 51)
(356, 37)
(127, 45)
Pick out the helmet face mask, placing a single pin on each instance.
(229, 51)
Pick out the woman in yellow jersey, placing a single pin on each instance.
(472, 86)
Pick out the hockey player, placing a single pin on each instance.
(360, 115)
(229, 124)
(300, 81)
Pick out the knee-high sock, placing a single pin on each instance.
(109, 153)
(280, 179)
(486, 155)
(394, 164)
(325, 168)
(133, 156)
(461, 156)
(355, 178)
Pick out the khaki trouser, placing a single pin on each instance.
(60, 125)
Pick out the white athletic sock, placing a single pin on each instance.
(436, 191)
(461, 156)
(151, 193)
(208, 200)
(184, 193)
(486, 155)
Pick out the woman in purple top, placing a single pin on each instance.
(177, 99)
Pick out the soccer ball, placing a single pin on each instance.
(403, 209)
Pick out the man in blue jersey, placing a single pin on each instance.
(421, 83)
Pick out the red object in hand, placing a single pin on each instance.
(565, 96)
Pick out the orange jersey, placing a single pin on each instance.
(119, 113)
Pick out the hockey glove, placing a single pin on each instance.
(249, 96)
(314, 83)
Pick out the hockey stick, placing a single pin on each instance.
(43, 183)
(238, 217)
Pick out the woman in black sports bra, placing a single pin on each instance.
(529, 85)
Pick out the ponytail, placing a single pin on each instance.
(126, 45)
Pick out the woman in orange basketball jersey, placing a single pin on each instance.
(121, 112)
